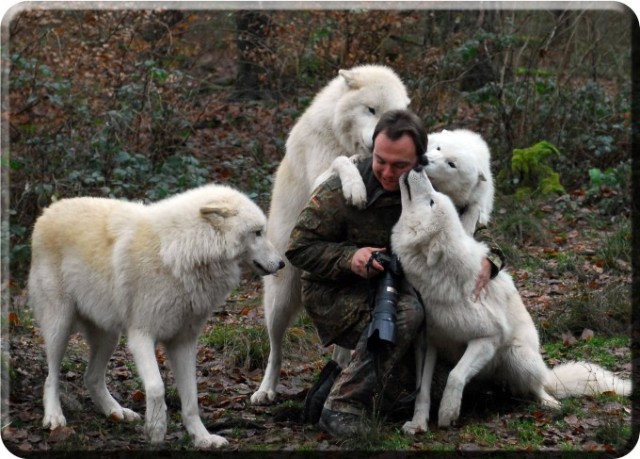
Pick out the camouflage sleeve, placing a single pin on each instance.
(317, 242)
(496, 256)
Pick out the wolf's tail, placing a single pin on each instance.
(582, 378)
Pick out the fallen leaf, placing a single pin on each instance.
(13, 319)
(568, 339)
(587, 334)
(60, 434)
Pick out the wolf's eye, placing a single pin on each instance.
(431, 203)
(372, 110)
(452, 164)
(259, 233)
(438, 148)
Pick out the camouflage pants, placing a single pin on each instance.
(374, 374)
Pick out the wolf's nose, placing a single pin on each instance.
(418, 168)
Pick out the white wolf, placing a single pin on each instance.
(102, 267)
(493, 337)
(459, 165)
(339, 122)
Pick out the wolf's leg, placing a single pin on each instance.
(56, 318)
(478, 353)
(423, 401)
(420, 351)
(101, 346)
(282, 301)
(353, 187)
(182, 358)
(470, 218)
(56, 334)
(142, 346)
(529, 373)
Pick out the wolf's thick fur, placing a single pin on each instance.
(459, 165)
(339, 122)
(493, 337)
(103, 267)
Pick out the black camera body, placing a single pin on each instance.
(383, 322)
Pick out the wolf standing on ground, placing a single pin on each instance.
(103, 267)
(339, 122)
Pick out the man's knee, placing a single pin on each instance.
(410, 314)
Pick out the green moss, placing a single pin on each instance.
(531, 165)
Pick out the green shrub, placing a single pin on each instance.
(609, 190)
(614, 253)
(535, 175)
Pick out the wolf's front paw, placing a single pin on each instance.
(447, 419)
(355, 192)
(263, 397)
(413, 428)
(124, 414)
(156, 431)
(209, 441)
(551, 402)
(54, 420)
(447, 416)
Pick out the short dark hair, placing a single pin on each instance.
(396, 123)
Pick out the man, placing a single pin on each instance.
(333, 244)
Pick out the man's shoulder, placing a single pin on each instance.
(361, 163)
(332, 183)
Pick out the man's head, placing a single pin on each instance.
(399, 143)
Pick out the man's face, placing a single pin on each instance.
(391, 159)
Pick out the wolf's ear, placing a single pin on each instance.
(350, 77)
(481, 177)
(217, 212)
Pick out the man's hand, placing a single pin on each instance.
(361, 259)
(484, 276)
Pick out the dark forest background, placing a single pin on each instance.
(140, 104)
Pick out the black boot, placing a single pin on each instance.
(319, 392)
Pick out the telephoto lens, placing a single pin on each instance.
(383, 323)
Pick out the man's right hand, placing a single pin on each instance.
(361, 259)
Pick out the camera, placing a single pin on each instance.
(383, 323)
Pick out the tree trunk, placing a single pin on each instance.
(252, 30)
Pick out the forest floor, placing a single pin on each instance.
(491, 420)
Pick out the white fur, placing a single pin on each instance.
(459, 165)
(494, 337)
(339, 122)
(156, 272)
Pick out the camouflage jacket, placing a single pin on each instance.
(326, 236)
(329, 231)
